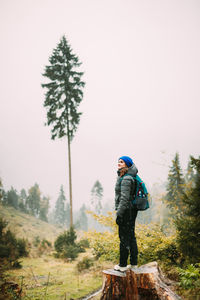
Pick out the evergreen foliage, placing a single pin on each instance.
(63, 96)
(84, 264)
(65, 239)
(175, 187)
(66, 246)
(12, 198)
(44, 208)
(34, 200)
(60, 214)
(11, 248)
(64, 91)
(188, 224)
(96, 197)
(23, 201)
(32, 203)
(190, 277)
(83, 220)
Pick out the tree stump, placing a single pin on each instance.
(143, 283)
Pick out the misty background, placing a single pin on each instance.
(141, 66)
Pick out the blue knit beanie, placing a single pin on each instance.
(128, 161)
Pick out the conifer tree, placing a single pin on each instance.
(23, 201)
(12, 198)
(83, 218)
(44, 208)
(96, 197)
(188, 224)
(189, 177)
(175, 187)
(60, 214)
(34, 199)
(63, 96)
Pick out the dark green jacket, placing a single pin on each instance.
(124, 191)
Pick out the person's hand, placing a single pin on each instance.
(118, 220)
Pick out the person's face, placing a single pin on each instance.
(121, 164)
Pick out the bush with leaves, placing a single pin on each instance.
(84, 264)
(153, 243)
(83, 244)
(66, 246)
(11, 248)
(104, 245)
(43, 247)
(190, 277)
(36, 241)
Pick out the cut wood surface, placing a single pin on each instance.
(142, 283)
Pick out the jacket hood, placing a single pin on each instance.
(132, 170)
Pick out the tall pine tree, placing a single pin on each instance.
(188, 224)
(44, 208)
(33, 199)
(175, 187)
(12, 198)
(83, 218)
(60, 214)
(63, 96)
(96, 197)
(23, 201)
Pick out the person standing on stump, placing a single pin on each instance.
(126, 213)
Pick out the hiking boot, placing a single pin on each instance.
(119, 268)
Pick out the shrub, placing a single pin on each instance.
(36, 241)
(65, 239)
(66, 246)
(84, 243)
(104, 245)
(70, 251)
(84, 264)
(44, 247)
(190, 277)
(22, 247)
(153, 244)
(45, 243)
(11, 248)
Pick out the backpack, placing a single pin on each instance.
(140, 200)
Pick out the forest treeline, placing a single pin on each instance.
(176, 201)
(168, 232)
(34, 203)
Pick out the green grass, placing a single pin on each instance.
(64, 281)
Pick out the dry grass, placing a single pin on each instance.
(27, 226)
(42, 276)
(49, 278)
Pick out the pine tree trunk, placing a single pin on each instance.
(144, 283)
(70, 180)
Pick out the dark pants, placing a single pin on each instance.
(127, 238)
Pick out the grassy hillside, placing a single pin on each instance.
(27, 226)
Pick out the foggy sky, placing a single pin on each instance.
(142, 65)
